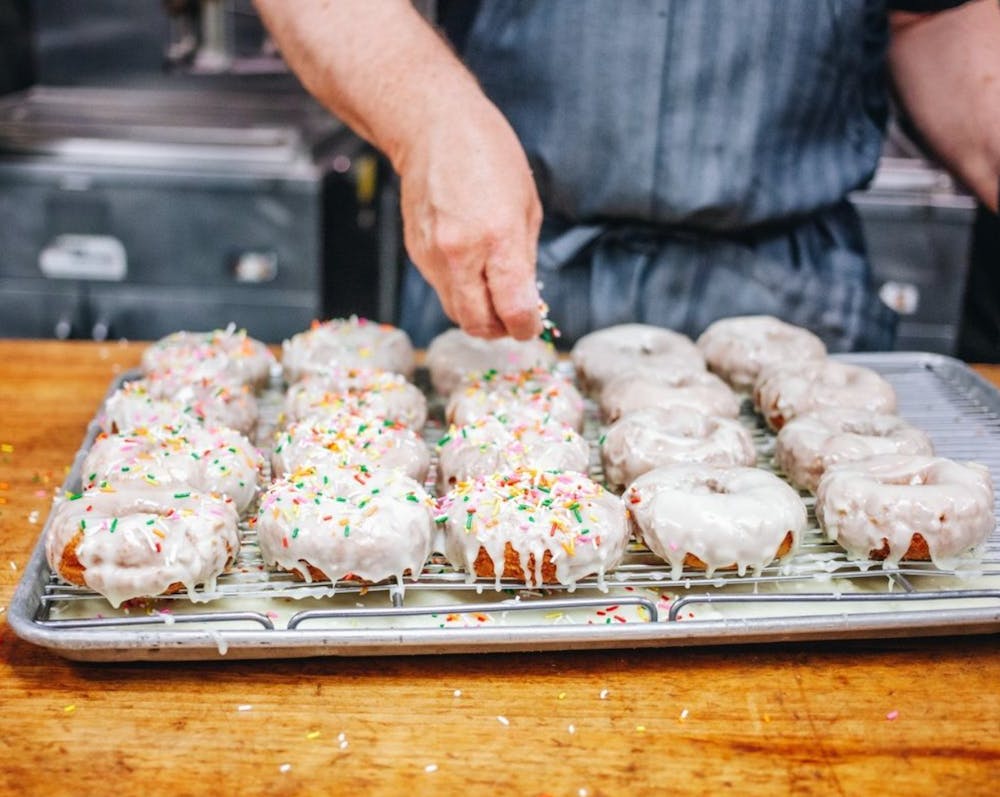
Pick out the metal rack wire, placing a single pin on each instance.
(815, 587)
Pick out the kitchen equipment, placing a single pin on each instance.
(133, 213)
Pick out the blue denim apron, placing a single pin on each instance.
(693, 158)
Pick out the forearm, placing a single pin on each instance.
(377, 65)
(946, 69)
(471, 212)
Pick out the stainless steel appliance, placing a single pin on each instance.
(918, 227)
(130, 214)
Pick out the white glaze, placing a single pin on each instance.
(161, 400)
(532, 393)
(891, 497)
(647, 386)
(349, 442)
(454, 354)
(785, 391)
(810, 444)
(724, 516)
(652, 437)
(495, 443)
(222, 356)
(362, 391)
(738, 348)
(601, 355)
(218, 460)
(583, 526)
(350, 342)
(376, 527)
(137, 543)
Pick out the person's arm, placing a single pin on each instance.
(471, 212)
(946, 69)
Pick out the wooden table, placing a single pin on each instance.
(918, 716)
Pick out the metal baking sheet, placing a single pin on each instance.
(817, 594)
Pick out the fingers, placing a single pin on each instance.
(515, 298)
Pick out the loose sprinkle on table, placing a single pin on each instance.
(244, 707)
(604, 694)
(503, 720)
(431, 768)
(70, 708)
(684, 714)
(892, 715)
(285, 768)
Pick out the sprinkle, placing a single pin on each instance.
(182, 495)
(312, 735)
(604, 694)
(244, 707)
(892, 715)
(684, 715)
(431, 768)
(640, 728)
(457, 693)
(503, 720)
(13, 566)
(562, 695)
(70, 708)
(114, 525)
(6, 448)
(571, 729)
(285, 768)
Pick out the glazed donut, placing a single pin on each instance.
(160, 400)
(601, 355)
(738, 348)
(495, 443)
(810, 444)
(350, 342)
(455, 354)
(539, 527)
(126, 544)
(892, 507)
(715, 518)
(532, 393)
(371, 528)
(207, 460)
(362, 391)
(638, 389)
(220, 356)
(646, 439)
(783, 392)
(337, 445)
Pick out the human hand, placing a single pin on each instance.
(471, 216)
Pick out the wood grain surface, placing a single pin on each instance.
(918, 716)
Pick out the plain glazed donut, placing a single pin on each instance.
(160, 400)
(494, 443)
(539, 527)
(738, 348)
(206, 460)
(649, 438)
(348, 342)
(810, 444)
(126, 544)
(532, 393)
(892, 507)
(336, 446)
(362, 391)
(715, 518)
(784, 392)
(650, 387)
(453, 355)
(369, 528)
(601, 355)
(220, 356)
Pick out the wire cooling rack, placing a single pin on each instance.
(816, 594)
